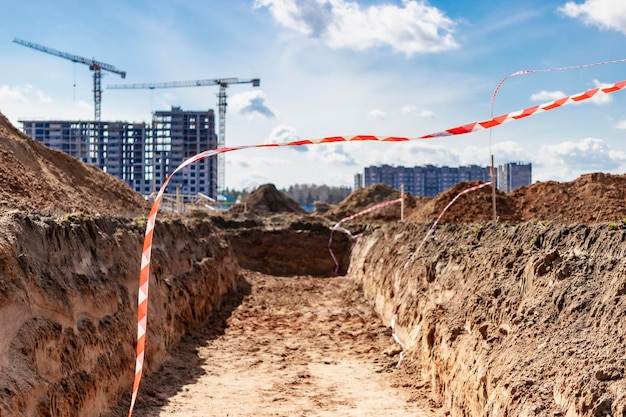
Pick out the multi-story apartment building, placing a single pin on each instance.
(358, 181)
(513, 175)
(430, 180)
(426, 180)
(137, 153)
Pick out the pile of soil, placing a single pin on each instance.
(35, 177)
(364, 198)
(266, 200)
(361, 199)
(474, 206)
(591, 198)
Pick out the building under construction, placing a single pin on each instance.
(141, 155)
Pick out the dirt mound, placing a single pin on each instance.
(35, 177)
(596, 197)
(474, 206)
(362, 199)
(267, 200)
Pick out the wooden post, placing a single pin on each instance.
(493, 190)
(402, 203)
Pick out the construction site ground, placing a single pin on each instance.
(287, 346)
(523, 316)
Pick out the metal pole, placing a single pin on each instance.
(402, 203)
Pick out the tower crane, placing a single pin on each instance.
(96, 66)
(223, 83)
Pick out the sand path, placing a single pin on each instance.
(297, 346)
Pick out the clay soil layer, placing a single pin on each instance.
(297, 346)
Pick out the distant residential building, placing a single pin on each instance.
(137, 153)
(426, 180)
(431, 180)
(514, 175)
(358, 181)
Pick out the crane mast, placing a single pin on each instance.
(96, 66)
(223, 84)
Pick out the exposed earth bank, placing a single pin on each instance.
(506, 320)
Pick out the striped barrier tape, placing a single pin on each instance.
(396, 285)
(142, 297)
(432, 228)
(345, 219)
(532, 71)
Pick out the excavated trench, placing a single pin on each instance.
(496, 320)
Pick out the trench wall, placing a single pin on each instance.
(298, 248)
(502, 320)
(68, 297)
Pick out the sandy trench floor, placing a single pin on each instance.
(296, 346)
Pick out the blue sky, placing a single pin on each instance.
(338, 67)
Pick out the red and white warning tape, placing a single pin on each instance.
(532, 71)
(142, 310)
(432, 228)
(396, 285)
(345, 219)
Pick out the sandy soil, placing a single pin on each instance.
(299, 346)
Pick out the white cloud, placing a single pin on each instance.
(377, 114)
(408, 109)
(426, 113)
(414, 27)
(605, 14)
(14, 93)
(251, 103)
(567, 160)
(544, 95)
(503, 152)
(332, 154)
(411, 154)
(600, 99)
(23, 94)
(44, 98)
(621, 125)
(282, 134)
